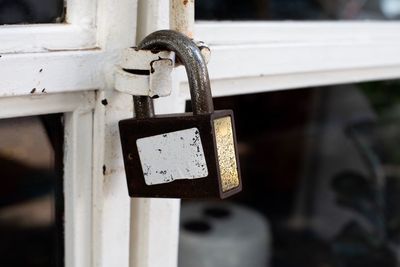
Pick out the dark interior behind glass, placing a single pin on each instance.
(31, 192)
(297, 10)
(322, 165)
(31, 11)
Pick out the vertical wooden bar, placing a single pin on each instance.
(182, 16)
(155, 222)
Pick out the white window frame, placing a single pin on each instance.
(52, 68)
(250, 57)
(78, 124)
(77, 32)
(70, 65)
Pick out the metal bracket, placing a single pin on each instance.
(148, 73)
(145, 73)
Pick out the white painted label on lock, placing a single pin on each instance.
(172, 156)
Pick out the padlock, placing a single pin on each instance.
(190, 155)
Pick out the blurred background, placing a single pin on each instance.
(31, 191)
(297, 9)
(53, 11)
(321, 166)
(31, 11)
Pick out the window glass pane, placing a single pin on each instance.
(31, 191)
(31, 11)
(298, 10)
(321, 182)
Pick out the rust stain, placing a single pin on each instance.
(185, 2)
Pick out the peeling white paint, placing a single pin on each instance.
(172, 156)
(157, 83)
(133, 59)
(182, 16)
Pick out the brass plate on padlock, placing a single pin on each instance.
(226, 153)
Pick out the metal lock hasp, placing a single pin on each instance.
(190, 155)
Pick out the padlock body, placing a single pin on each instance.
(181, 155)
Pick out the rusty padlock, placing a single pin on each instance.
(190, 155)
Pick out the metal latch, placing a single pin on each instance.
(148, 73)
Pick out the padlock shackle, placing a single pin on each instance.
(190, 56)
(143, 106)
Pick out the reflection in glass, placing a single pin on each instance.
(31, 11)
(322, 167)
(31, 194)
(298, 10)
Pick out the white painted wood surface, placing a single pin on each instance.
(268, 83)
(45, 104)
(78, 108)
(250, 57)
(299, 32)
(82, 12)
(154, 232)
(79, 32)
(116, 30)
(78, 188)
(283, 51)
(111, 203)
(155, 222)
(46, 38)
(182, 16)
(55, 72)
